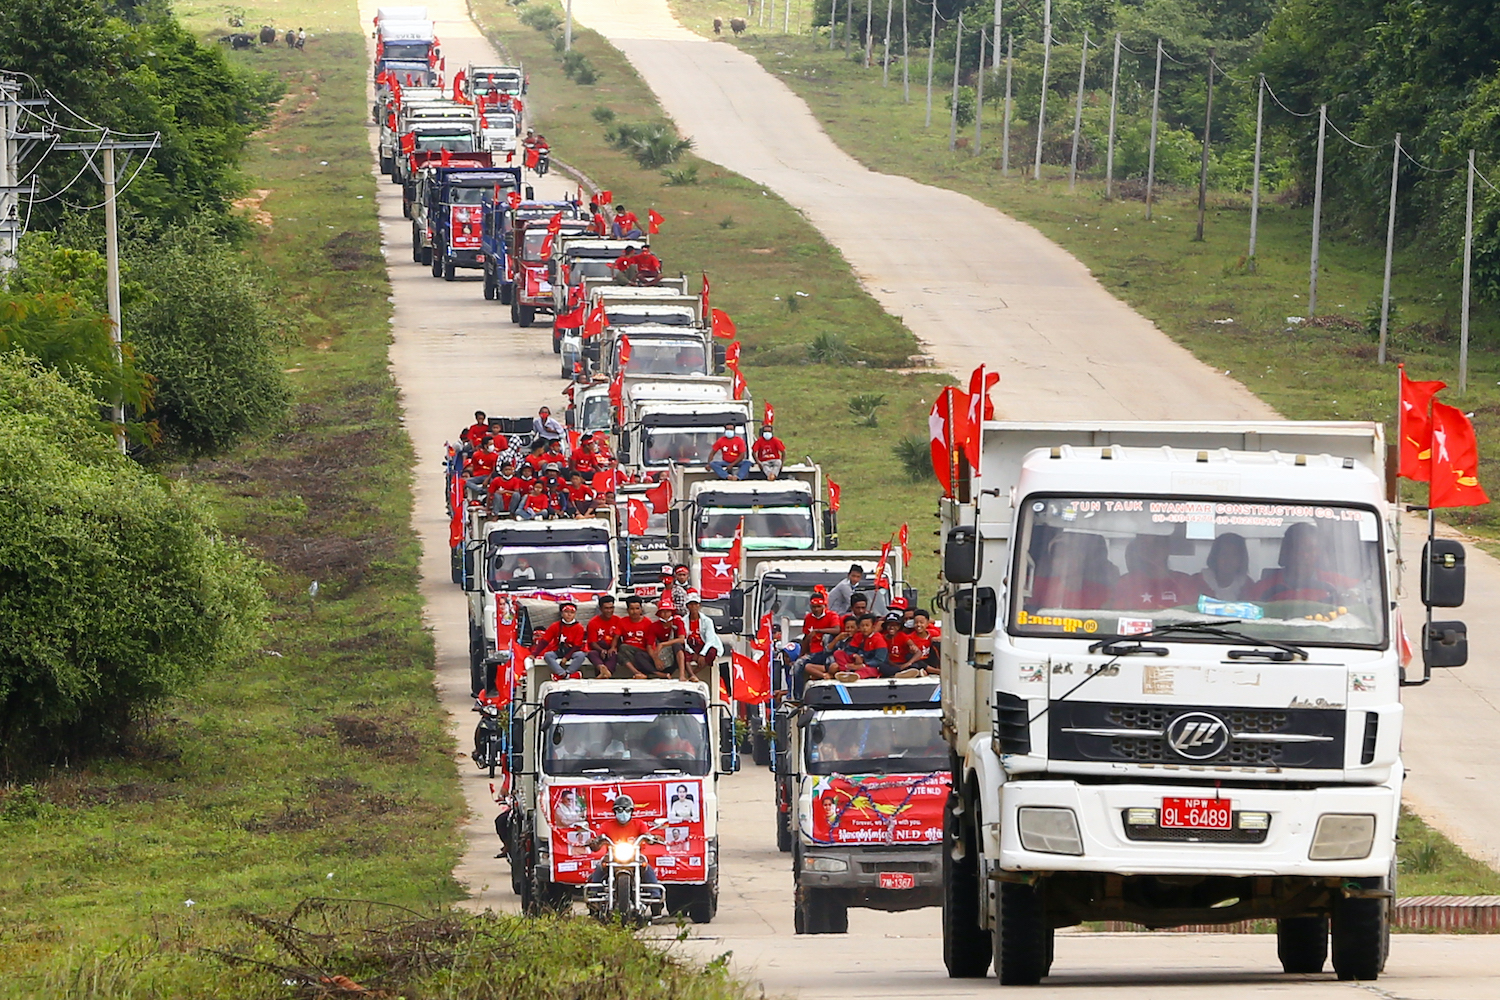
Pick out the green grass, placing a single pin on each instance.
(759, 253)
(1326, 370)
(1429, 864)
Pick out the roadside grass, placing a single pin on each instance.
(1429, 864)
(1202, 295)
(759, 253)
(322, 764)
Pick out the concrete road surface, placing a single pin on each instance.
(453, 352)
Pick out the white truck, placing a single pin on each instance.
(676, 419)
(868, 768)
(1171, 687)
(575, 747)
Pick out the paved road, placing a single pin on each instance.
(452, 352)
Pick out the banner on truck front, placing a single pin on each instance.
(579, 812)
(879, 808)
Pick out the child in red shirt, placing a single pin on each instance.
(581, 499)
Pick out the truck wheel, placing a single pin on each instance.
(489, 287)
(1021, 934)
(527, 861)
(515, 311)
(385, 165)
(449, 270)
(405, 208)
(810, 913)
(1302, 944)
(526, 315)
(1359, 929)
(436, 259)
(426, 257)
(966, 945)
(506, 293)
(416, 246)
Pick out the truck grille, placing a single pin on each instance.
(1218, 737)
(915, 867)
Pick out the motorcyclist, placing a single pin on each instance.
(624, 826)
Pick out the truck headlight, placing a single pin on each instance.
(831, 865)
(1050, 830)
(1342, 837)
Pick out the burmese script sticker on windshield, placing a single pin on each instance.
(1063, 622)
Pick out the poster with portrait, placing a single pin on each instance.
(879, 808)
(578, 812)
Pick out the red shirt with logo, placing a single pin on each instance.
(601, 630)
(816, 643)
(482, 463)
(558, 635)
(766, 449)
(670, 628)
(731, 449)
(640, 634)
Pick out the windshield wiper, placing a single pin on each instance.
(1285, 652)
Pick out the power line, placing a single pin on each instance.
(1299, 114)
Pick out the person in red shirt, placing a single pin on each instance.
(538, 458)
(624, 827)
(1149, 584)
(768, 452)
(563, 639)
(627, 224)
(506, 489)
(601, 448)
(733, 464)
(647, 266)
(671, 637)
(581, 498)
(537, 503)
(865, 654)
(478, 429)
(820, 627)
(599, 637)
(484, 460)
(635, 642)
(585, 458)
(918, 645)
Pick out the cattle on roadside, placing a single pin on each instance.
(239, 40)
(291, 38)
(737, 25)
(267, 35)
(718, 26)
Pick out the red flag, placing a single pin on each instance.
(1414, 426)
(605, 197)
(622, 356)
(570, 319)
(653, 221)
(737, 547)
(740, 387)
(554, 226)
(752, 682)
(1455, 460)
(703, 295)
(458, 86)
(769, 416)
(718, 573)
(617, 394)
(945, 427)
(445, 157)
(638, 518)
(882, 578)
(904, 536)
(514, 198)
(456, 524)
(835, 493)
(660, 496)
(531, 158)
(732, 355)
(408, 142)
(594, 324)
(980, 409)
(510, 157)
(722, 325)
(605, 480)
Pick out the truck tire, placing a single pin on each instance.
(1302, 944)
(1359, 934)
(450, 270)
(506, 292)
(966, 945)
(515, 311)
(385, 165)
(705, 905)
(489, 287)
(436, 259)
(416, 246)
(760, 744)
(817, 912)
(426, 257)
(784, 818)
(525, 316)
(1021, 936)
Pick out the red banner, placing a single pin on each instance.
(879, 809)
(579, 811)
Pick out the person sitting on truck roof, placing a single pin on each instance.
(1226, 575)
(647, 266)
(536, 458)
(841, 597)
(563, 642)
(703, 647)
(1149, 584)
(483, 461)
(581, 498)
(506, 489)
(584, 458)
(1077, 573)
(820, 629)
(538, 504)
(671, 637)
(545, 426)
(768, 452)
(733, 464)
(598, 224)
(1300, 574)
(599, 637)
(679, 584)
(822, 666)
(627, 226)
(635, 643)
(864, 655)
(478, 429)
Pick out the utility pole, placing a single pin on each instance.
(979, 97)
(1010, 55)
(1083, 62)
(1317, 221)
(15, 143)
(1151, 153)
(958, 41)
(1390, 244)
(568, 28)
(108, 147)
(1260, 115)
(1109, 157)
(1041, 110)
(931, 47)
(1208, 121)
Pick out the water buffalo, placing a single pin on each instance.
(737, 25)
(718, 26)
(267, 35)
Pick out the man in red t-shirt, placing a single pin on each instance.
(563, 639)
(506, 489)
(599, 636)
(483, 461)
(585, 459)
(867, 653)
(819, 627)
(768, 452)
(733, 464)
(581, 498)
(478, 429)
(624, 827)
(635, 642)
(671, 637)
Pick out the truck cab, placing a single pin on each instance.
(482, 80)
(499, 220)
(534, 274)
(576, 745)
(580, 256)
(425, 142)
(448, 217)
(627, 306)
(675, 420)
(1171, 686)
(499, 129)
(657, 349)
(867, 768)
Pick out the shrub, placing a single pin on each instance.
(541, 17)
(863, 407)
(915, 457)
(682, 178)
(652, 144)
(830, 349)
(577, 66)
(115, 588)
(603, 115)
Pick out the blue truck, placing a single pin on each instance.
(498, 220)
(452, 203)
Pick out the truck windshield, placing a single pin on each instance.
(540, 567)
(596, 411)
(1098, 566)
(875, 741)
(665, 357)
(406, 51)
(589, 267)
(683, 445)
(638, 316)
(462, 142)
(468, 195)
(500, 123)
(765, 527)
(625, 745)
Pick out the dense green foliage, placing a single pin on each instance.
(115, 588)
(132, 67)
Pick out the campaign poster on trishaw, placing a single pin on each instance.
(879, 808)
(581, 812)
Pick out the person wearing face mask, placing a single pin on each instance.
(768, 452)
(733, 463)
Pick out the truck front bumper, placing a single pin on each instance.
(1107, 843)
(467, 257)
(912, 875)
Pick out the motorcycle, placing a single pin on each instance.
(623, 893)
(487, 737)
(543, 161)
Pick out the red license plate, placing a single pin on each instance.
(897, 880)
(1196, 814)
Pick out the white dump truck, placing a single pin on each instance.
(1171, 687)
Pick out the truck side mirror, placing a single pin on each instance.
(1446, 644)
(975, 615)
(830, 528)
(729, 752)
(622, 550)
(910, 594)
(624, 441)
(530, 193)
(1443, 573)
(961, 555)
(720, 355)
(568, 417)
(734, 616)
(470, 579)
(515, 750)
(674, 528)
(456, 564)
(781, 743)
